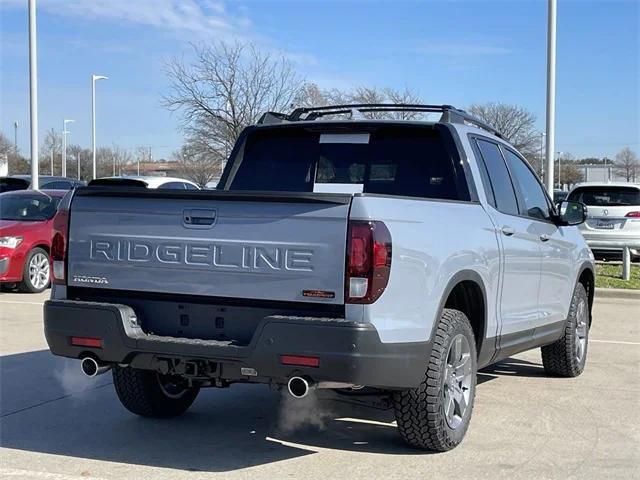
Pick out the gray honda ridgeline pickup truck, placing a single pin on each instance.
(338, 251)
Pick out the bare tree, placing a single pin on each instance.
(16, 163)
(516, 123)
(226, 88)
(197, 166)
(627, 165)
(567, 171)
(314, 96)
(77, 155)
(51, 151)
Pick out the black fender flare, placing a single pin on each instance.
(485, 349)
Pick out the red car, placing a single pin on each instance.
(26, 218)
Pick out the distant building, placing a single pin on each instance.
(160, 168)
(600, 173)
(4, 166)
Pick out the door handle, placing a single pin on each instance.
(199, 217)
(544, 237)
(508, 231)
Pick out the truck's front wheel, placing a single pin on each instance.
(567, 356)
(149, 394)
(436, 414)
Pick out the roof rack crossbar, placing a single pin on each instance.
(450, 114)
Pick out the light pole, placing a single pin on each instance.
(64, 145)
(78, 158)
(15, 138)
(551, 92)
(33, 93)
(559, 155)
(93, 118)
(542, 135)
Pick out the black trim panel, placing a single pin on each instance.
(518, 342)
(348, 352)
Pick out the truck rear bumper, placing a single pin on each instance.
(347, 352)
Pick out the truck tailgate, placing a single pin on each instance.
(273, 246)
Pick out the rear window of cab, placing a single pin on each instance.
(390, 160)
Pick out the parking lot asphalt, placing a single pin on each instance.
(56, 424)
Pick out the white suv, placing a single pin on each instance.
(613, 216)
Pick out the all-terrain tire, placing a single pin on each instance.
(420, 412)
(140, 392)
(566, 357)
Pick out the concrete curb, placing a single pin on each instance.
(617, 293)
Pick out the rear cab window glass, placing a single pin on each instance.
(499, 187)
(606, 196)
(403, 161)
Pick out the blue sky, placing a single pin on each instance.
(457, 52)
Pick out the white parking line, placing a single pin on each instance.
(21, 303)
(614, 342)
(14, 472)
(367, 421)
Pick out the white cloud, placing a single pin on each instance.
(205, 19)
(193, 20)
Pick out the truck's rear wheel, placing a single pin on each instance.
(149, 394)
(436, 414)
(567, 356)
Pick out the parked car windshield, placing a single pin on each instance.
(606, 196)
(29, 208)
(392, 160)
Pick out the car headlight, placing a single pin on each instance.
(10, 242)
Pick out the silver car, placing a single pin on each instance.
(613, 217)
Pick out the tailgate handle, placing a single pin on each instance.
(199, 217)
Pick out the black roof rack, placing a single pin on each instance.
(450, 114)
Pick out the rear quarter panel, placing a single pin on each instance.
(432, 241)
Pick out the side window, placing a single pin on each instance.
(188, 186)
(534, 199)
(57, 185)
(500, 187)
(172, 186)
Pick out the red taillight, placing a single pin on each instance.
(633, 215)
(368, 261)
(86, 342)
(300, 360)
(59, 246)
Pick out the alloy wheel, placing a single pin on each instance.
(457, 381)
(582, 328)
(39, 271)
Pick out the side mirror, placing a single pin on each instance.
(571, 213)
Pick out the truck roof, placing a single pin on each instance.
(356, 112)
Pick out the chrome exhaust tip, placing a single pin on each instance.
(91, 367)
(299, 387)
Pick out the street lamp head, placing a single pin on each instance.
(98, 77)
